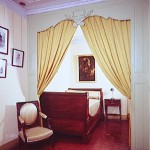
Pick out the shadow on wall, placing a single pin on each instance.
(1, 124)
(21, 77)
(9, 124)
(23, 83)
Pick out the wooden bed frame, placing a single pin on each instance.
(69, 112)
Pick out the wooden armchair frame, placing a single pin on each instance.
(29, 131)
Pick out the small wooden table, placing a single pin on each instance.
(114, 103)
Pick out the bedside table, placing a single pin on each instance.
(112, 103)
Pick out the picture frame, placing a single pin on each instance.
(17, 58)
(86, 68)
(3, 68)
(4, 37)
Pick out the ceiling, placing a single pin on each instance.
(37, 6)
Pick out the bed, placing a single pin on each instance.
(75, 111)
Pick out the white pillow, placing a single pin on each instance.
(94, 94)
(76, 91)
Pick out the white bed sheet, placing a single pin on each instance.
(94, 101)
(93, 106)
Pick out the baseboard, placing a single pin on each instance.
(129, 117)
(123, 117)
(10, 145)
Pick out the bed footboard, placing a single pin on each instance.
(69, 113)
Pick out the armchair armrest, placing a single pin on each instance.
(47, 119)
(42, 115)
(22, 126)
(48, 123)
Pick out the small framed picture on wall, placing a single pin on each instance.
(4, 35)
(17, 58)
(3, 68)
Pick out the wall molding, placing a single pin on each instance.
(78, 16)
(47, 8)
(117, 117)
(15, 7)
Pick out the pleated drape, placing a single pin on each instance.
(109, 41)
(52, 46)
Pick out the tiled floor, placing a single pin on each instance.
(112, 135)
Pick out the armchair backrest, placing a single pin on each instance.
(29, 113)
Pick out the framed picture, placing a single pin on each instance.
(17, 58)
(4, 34)
(3, 68)
(86, 65)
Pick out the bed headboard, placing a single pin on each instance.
(88, 90)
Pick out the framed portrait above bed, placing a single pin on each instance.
(86, 65)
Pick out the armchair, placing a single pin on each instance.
(29, 128)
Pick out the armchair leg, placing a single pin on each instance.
(53, 141)
(86, 137)
(23, 145)
(27, 146)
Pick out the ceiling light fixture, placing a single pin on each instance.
(22, 4)
(31, 1)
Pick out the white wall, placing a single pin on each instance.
(13, 88)
(149, 63)
(140, 79)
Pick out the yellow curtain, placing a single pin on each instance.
(109, 41)
(52, 46)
